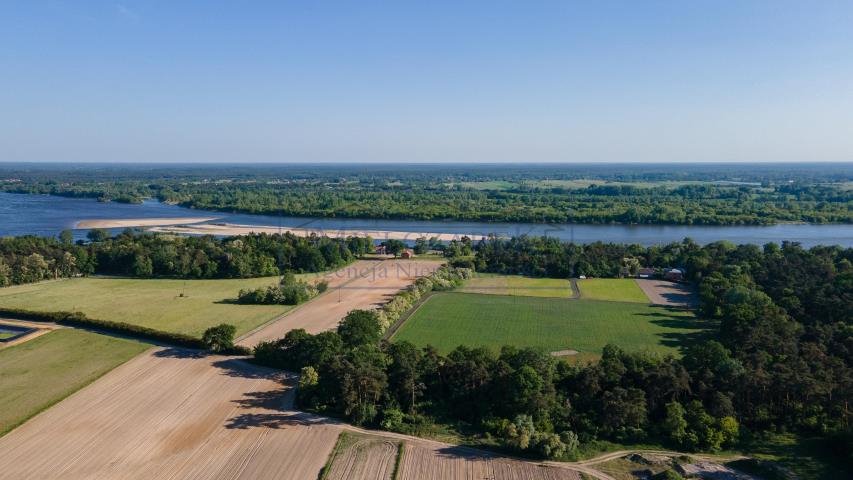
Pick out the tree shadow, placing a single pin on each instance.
(235, 367)
(465, 453)
(277, 420)
(687, 332)
(175, 352)
(228, 301)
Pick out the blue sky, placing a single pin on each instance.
(566, 81)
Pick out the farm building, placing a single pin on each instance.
(407, 253)
(673, 275)
(646, 273)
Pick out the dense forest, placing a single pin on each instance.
(702, 195)
(144, 255)
(781, 359)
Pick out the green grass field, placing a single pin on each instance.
(36, 374)
(151, 303)
(447, 320)
(613, 289)
(517, 285)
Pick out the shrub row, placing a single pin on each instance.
(444, 278)
(77, 319)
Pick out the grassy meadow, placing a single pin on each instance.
(447, 320)
(154, 303)
(36, 374)
(493, 284)
(612, 289)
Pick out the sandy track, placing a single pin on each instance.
(422, 462)
(367, 459)
(141, 222)
(230, 229)
(166, 415)
(368, 285)
(662, 292)
(39, 329)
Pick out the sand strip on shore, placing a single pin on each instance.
(140, 222)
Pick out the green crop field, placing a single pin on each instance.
(36, 374)
(151, 303)
(517, 285)
(447, 320)
(614, 289)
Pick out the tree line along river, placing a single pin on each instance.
(46, 215)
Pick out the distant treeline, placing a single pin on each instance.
(498, 194)
(779, 358)
(144, 255)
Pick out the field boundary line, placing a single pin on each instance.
(392, 330)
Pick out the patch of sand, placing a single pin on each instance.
(37, 329)
(564, 353)
(140, 222)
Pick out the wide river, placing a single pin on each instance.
(47, 215)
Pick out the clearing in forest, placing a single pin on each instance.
(494, 284)
(612, 289)
(447, 320)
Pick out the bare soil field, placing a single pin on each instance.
(170, 414)
(236, 229)
(423, 462)
(366, 284)
(363, 457)
(662, 292)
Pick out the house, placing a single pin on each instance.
(379, 249)
(673, 275)
(407, 253)
(646, 272)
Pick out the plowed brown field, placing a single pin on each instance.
(423, 462)
(167, 415)
(364, 285)
(363, 457)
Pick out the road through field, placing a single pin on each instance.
(365, 284)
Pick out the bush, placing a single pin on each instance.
(219, 338)
(392, 420)
(289, 291)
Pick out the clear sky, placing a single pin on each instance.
(427, 81)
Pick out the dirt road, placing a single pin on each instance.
(670, 294)
(364, 285)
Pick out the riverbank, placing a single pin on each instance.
(228, 229)
(140, 222)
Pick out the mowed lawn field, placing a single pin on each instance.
(154, 303)
(613, 289)
(36, 374)
(493, 284)
(447, 320)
